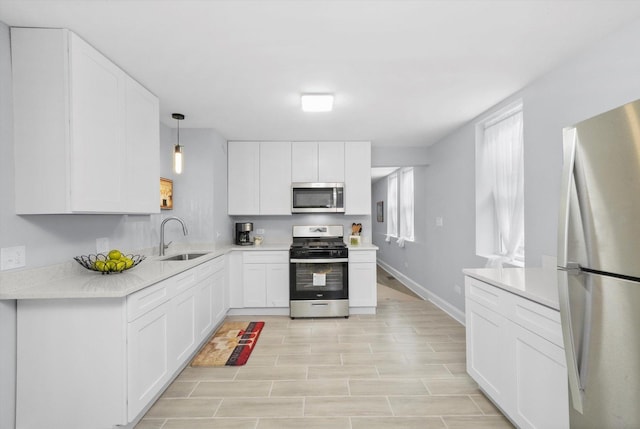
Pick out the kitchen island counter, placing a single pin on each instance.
(536, 284)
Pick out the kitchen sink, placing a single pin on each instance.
(183, 257)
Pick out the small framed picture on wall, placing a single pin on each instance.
(166, 194)
(380, 211)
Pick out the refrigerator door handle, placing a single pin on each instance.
(571, 355)
(569, 156)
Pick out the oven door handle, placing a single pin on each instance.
(319, 261)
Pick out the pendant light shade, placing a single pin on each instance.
(178, 159)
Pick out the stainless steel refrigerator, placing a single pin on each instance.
(599, 268)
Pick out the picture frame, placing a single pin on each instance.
(380, 211)
(166, 194)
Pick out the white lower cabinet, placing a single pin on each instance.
(362, 278)
(278, 285)
(515, 354)
(182, 327)
(541, 388)
(485, 358)
(148, 357)
(265, 279)
(109, 358)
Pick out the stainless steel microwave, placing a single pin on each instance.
(317, 198)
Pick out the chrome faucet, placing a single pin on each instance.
(165, 246)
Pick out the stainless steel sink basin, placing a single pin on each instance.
(183, 257)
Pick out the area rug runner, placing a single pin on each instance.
(231, 345)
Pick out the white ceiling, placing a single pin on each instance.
(404, 73)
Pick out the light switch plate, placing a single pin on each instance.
(12, 257)
(439, 221)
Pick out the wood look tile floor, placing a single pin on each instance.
(403, 367)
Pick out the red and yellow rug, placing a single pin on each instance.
(231, 345)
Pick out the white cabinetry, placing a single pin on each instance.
(195, 304)
(86, 134)
(148, 357)
(265, 279)
(515, 354)
(259, 175)
(318, 162)
(109, 358)
(486, 337)
(275, 178)
(362, 278)
(357, 181)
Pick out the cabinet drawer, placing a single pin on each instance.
(362, 256)
(538, 319)
(217, 264)
(487, 295)
(147, 299)
(265, 257)
(184, 281)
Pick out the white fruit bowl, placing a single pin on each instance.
(89, 262)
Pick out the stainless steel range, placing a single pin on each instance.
(319, 274)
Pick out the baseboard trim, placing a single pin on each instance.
(424, 293)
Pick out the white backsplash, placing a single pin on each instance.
(278, 229)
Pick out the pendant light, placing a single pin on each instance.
(177, 149)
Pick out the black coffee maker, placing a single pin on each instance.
(242, 233)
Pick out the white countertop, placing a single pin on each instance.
(536, 284)
(73, 281)
(70, 280)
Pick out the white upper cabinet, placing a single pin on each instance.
(86, 134)
(243, 175)
(331, 162)
(317, 162)
(259, 178)
(275, 178)
(304, 162)
(357, 181)
(142, 137)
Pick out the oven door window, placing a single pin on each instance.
(326, 279)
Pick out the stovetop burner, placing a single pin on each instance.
(318, 241)
(318, 237)
(318, 244)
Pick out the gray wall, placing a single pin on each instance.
(200, 199)
(7, 308)
(600, 78)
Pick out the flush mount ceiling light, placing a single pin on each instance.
(317, 102)
(177, 149)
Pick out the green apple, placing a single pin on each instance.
(101, 266)
(115, 254)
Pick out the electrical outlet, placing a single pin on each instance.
(260, 231)
(406, 264)
(457, 289)
(439, 221)
(102, 245)
(12, 257)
